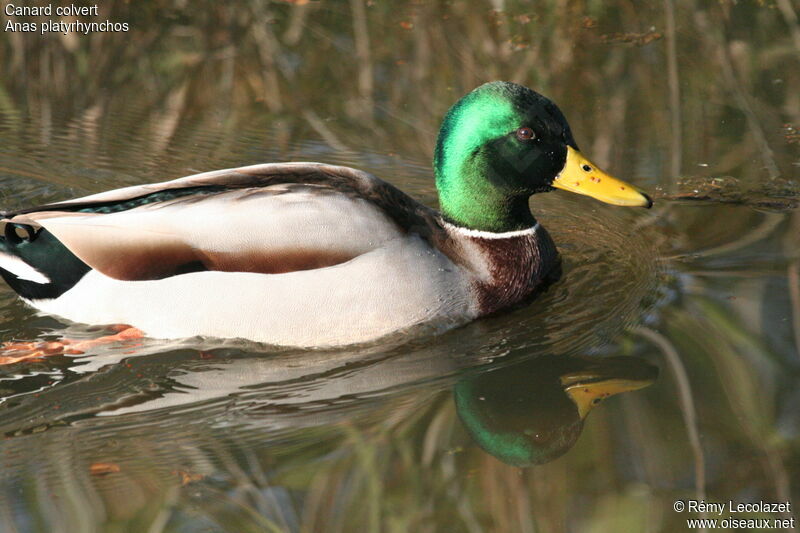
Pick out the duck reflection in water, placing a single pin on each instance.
(533, 412)
(524, 413)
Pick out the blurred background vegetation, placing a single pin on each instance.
(680, 79)
(697, 101)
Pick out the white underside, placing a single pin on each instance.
(401, 284)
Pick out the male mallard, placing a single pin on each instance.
(307, 254)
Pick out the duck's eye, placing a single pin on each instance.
(586, 168)
(525, 134)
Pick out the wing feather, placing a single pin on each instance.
(264, 218)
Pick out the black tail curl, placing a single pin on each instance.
(42, 251)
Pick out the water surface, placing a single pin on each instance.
(696, 103)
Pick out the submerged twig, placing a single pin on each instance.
(687, 405)
(674, 89)
(790, 17)
(767, 226)
(793, 279)
(361, 41)
(327, 135)
(744, 101)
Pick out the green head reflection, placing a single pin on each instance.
(533, 411)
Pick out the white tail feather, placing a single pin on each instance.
(21, 269)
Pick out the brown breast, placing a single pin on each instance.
(507, 270)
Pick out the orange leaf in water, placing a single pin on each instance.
(188, 477)
(102, 469)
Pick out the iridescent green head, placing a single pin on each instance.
(502, 143)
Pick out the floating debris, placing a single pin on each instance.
(103, 469)
(638, 39)
(778, 194)
(188, 477)
(791, 134)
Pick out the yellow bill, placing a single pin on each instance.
(604, 378)
(586, 396)
(581, 176)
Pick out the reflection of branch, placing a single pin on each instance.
(790, 17)
(793, 277)
(687, 404)
(361, 38)
(267, 48)
(674, 89)
(745, 105)
(296, 24)
(327, 135)
(752, 119)
(761, 231)
(783, 489)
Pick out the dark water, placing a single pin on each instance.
(695, 102)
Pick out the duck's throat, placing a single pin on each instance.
(485, 208)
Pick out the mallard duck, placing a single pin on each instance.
(533, 412)
(314, 255)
